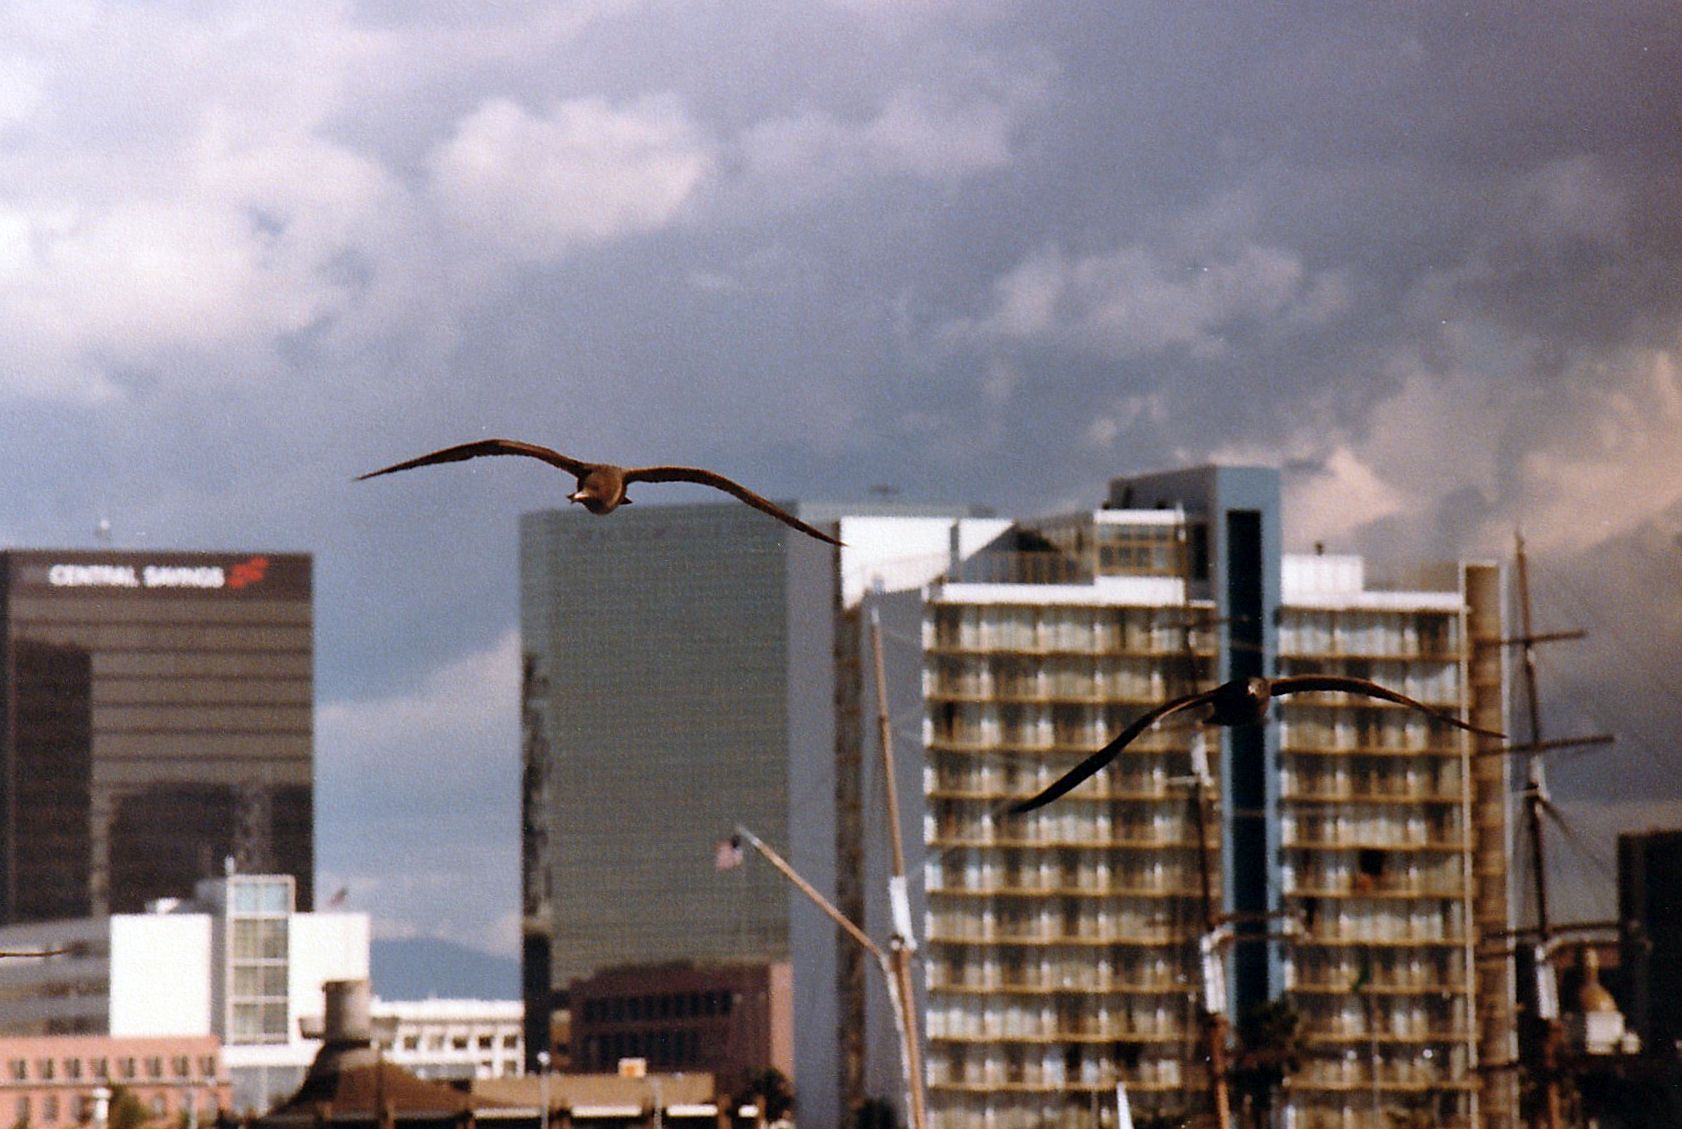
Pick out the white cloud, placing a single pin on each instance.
(1574, 461)
(916, 133)
(1121, 416)
(1344, 494)
(428, 775)
(1571, 198)
(535, 186)
(1606, 456)
(438, 731)
(186, 210)
(1137, 301)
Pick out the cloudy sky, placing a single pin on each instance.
(1426, 258)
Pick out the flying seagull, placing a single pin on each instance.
(1242, 701)
(601, 486)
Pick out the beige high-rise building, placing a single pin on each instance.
(1353, 850)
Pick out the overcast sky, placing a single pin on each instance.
(1427, 258)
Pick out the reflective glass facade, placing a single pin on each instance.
(680, 679)
(157, 720)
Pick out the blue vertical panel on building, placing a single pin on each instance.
(1240, 511)
(1248, 761)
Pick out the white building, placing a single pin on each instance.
(1062, 949)
(453, 1039)
(236, 962)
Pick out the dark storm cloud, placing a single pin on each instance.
(997, 252)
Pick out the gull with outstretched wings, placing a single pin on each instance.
(1242, 701)
(601, 486)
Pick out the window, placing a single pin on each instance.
(268, 897)
(100, 1067)
(73, 1068)
(49, 1109)
(44, 1070)
(19, 1069)
(23, 1110)
(183, 1066)
(487, 1042)
(126, 1067)
(154, 1066)
(411, 1042)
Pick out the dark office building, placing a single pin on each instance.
(1650, 906)
(155, 720)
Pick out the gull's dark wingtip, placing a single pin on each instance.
(1032, 803)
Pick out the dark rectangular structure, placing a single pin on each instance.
(1650, 907)
(732, 1020)
(156, 717)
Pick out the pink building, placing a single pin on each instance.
(59, 1080)
(731, 1020)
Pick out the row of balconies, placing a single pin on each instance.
(1440, 1067)
(1317, 971)
(1064, 824)
(1038, 893)
(988, 780)
(1036, 981)
(1065, 872)
(1046, 1069)
(1099, 1019)
(1368, 631)
(1413, 781)
(1401, 827)
(1102, 678)
(965, 929)
(1051, 630)
(1072, 921)
(1048, 1074)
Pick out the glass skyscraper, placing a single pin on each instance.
(158, 715)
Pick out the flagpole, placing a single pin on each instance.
(904, 941)
(901, 1006)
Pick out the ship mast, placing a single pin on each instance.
(1540, 1053)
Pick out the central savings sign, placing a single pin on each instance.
(240, 575)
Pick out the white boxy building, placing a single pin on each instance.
(236, 962)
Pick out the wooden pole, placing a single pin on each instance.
(903, 944)
(1547, 1069)
(902, 1009)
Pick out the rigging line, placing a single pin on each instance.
(1572, 835)
(1587, 702)
(915, 642)
(1584, 693)
(1605, 625)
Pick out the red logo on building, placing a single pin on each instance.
(248, 572)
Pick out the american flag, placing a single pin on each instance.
(728, 854)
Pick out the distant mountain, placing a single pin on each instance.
(415, 968)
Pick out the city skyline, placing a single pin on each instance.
(1421, 259)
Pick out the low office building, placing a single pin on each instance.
(63, 1080)
(453, 1039)
(731, 1020)
(624, 1100)
(235, 962)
